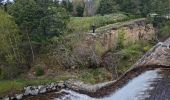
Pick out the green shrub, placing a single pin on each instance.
(39, 71)
(9, 72)
(146, 48)
(94, 76)
(121, 38)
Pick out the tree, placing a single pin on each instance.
(10, 51)
(144, 7)
(107, 7)
(130, 6)
(67, 5)
(25, 14)
(80, 10)
(39, 20)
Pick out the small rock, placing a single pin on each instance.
(27, 90)
(34, 92)
(31, 90)
(61, 84)
(42, 89)
(19, 97)
(6, 98)
(12, 98)
(54, 88)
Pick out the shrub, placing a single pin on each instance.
(80, 10)
(9, 72)
(146, 48)
(121, 39)
(39, 71)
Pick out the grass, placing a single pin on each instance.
(83, 24)
(131, 54)
(86, 75)
(8, 86)
(94, 76)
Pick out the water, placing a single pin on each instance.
(136, 89)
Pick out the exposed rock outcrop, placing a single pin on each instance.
(132, 31)
(90, 50)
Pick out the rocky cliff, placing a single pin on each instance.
(110, 36)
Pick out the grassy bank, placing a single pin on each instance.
(83, 24)
(92, 76)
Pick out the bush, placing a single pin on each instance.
(39, 71)
(9, 72)
(146, 48)
(80, 10)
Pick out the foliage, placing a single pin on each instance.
(107, 7)
(80, 10)
(164, 31)
(10, 51)
(144, 7)
(121, 38)
(39, 71)
(50, 22)
(67, 5)
(94, 76)
(131, 54)
(39, 21)
(163, 25)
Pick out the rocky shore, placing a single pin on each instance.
(36, 90)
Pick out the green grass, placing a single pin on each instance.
(131, 54)
(94, 76)
(83, 24)
(8, 86)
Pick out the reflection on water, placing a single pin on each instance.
(136, 89)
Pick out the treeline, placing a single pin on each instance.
(26, 27)
(139, 7)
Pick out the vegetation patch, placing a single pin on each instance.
(131, 54)
(39, 71)
(13, 86)
(94, 76)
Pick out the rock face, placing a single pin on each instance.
(93, 46)
(132, 31)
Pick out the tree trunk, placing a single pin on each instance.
(32, 51)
